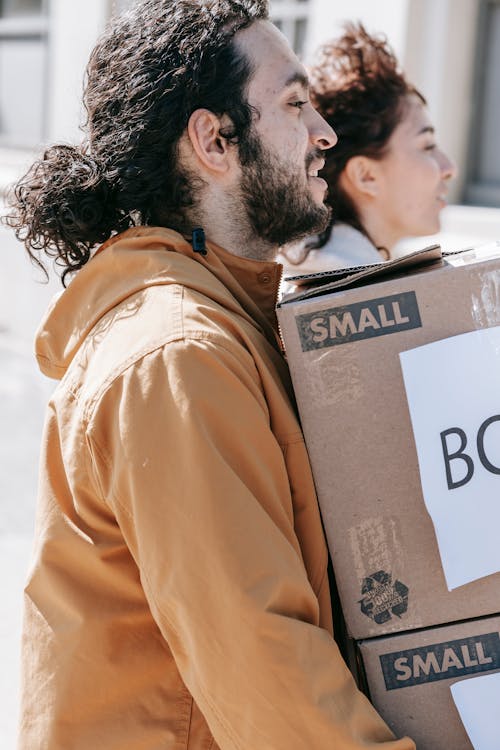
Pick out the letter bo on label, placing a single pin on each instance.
(465, 458)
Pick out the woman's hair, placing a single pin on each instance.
(358, 88)
(151, 69)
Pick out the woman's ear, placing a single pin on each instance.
(212, 150)
(363, 175)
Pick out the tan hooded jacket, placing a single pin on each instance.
(178, 598)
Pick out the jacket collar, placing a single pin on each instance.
(150, 256)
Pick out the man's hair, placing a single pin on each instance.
(151, 69)
(358, 88)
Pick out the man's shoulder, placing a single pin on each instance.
(153, 318)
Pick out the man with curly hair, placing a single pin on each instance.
(179, 595)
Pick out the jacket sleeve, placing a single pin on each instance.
(198, 484)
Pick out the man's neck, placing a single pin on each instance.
(224, 224)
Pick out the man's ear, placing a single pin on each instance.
(209, 146)
(362, 173)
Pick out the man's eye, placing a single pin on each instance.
(298, 104)
(431, 146)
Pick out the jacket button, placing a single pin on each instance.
(265, 278)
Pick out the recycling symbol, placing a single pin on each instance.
(383, 597)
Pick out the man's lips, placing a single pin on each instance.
(314, 168)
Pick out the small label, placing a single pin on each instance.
(362, 320)
(441, 661)
(383, 598)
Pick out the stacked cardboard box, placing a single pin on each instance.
(410, 676)
(403, 592)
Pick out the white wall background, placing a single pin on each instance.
(387, 16)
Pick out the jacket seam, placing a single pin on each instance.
(222, 721)
(322, 579)
(94, 447)
(294, 438)
(42, 358)
(186, 711)
(137, 357)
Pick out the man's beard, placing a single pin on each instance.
(275, 196)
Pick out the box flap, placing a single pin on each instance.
(322, 282)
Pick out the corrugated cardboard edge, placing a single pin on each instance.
(330, 281)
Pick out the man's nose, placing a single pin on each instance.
(321, 134)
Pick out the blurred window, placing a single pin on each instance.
(290, 16)
(16, 8)
(483, 178)
(23, 71)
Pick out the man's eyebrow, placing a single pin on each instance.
(297, 77)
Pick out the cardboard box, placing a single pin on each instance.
(343, 343)
(409, 678)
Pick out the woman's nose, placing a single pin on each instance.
(448, 167)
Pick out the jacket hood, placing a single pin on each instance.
(150, 256)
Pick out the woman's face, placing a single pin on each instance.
(413, 177)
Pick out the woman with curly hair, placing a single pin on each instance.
(387, 177)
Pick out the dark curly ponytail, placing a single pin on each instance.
(153, 67)
(64, 206)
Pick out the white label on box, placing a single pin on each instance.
(453, 391)
(477, 701)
